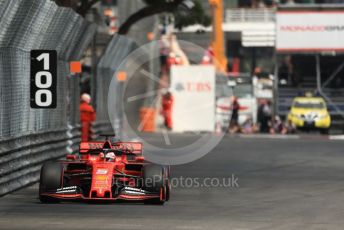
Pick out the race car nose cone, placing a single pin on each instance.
(100, 193)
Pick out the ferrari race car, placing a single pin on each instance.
(105, 171)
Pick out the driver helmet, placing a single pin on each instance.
(110, 156)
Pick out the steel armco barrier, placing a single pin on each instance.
(28, 137)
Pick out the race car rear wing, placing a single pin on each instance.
(132, 147)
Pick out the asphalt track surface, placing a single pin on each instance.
(283, 184)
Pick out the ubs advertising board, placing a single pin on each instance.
(193, 90)
(310, 31)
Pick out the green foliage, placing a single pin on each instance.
(197, 15)
(154, 2)
(170, 5)
(183, 16)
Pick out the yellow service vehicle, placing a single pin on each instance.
(310, 113)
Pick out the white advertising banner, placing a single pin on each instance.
(193, 90)
(310, 31)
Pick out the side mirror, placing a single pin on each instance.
(140, 158)
(71, 157)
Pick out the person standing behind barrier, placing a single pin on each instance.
(235, 110)
(167, 104)
(87, 116)
(234, 120)
(264, 116)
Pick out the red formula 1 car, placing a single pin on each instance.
(105, 171)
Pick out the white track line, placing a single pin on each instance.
(336, 137)
(274, 136)
(166, 138)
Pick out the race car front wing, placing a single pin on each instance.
(125, 193)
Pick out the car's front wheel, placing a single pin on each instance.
(154, 181)
(50, 180)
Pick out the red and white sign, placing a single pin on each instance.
(310, 31)
(193, 90)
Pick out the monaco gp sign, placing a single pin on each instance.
(310, 31)
(193, 90)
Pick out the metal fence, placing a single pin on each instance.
(28, 136)
(116, 52)
(118, 57)
(249, 15)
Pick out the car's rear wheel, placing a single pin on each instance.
(154, 181)
(168, 192)
(50, 180)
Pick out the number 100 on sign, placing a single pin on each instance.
(43, 77)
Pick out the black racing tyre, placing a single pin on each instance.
(50, 180)
(167, 182)
(168, 192)
(154, 181)
(153, 177)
